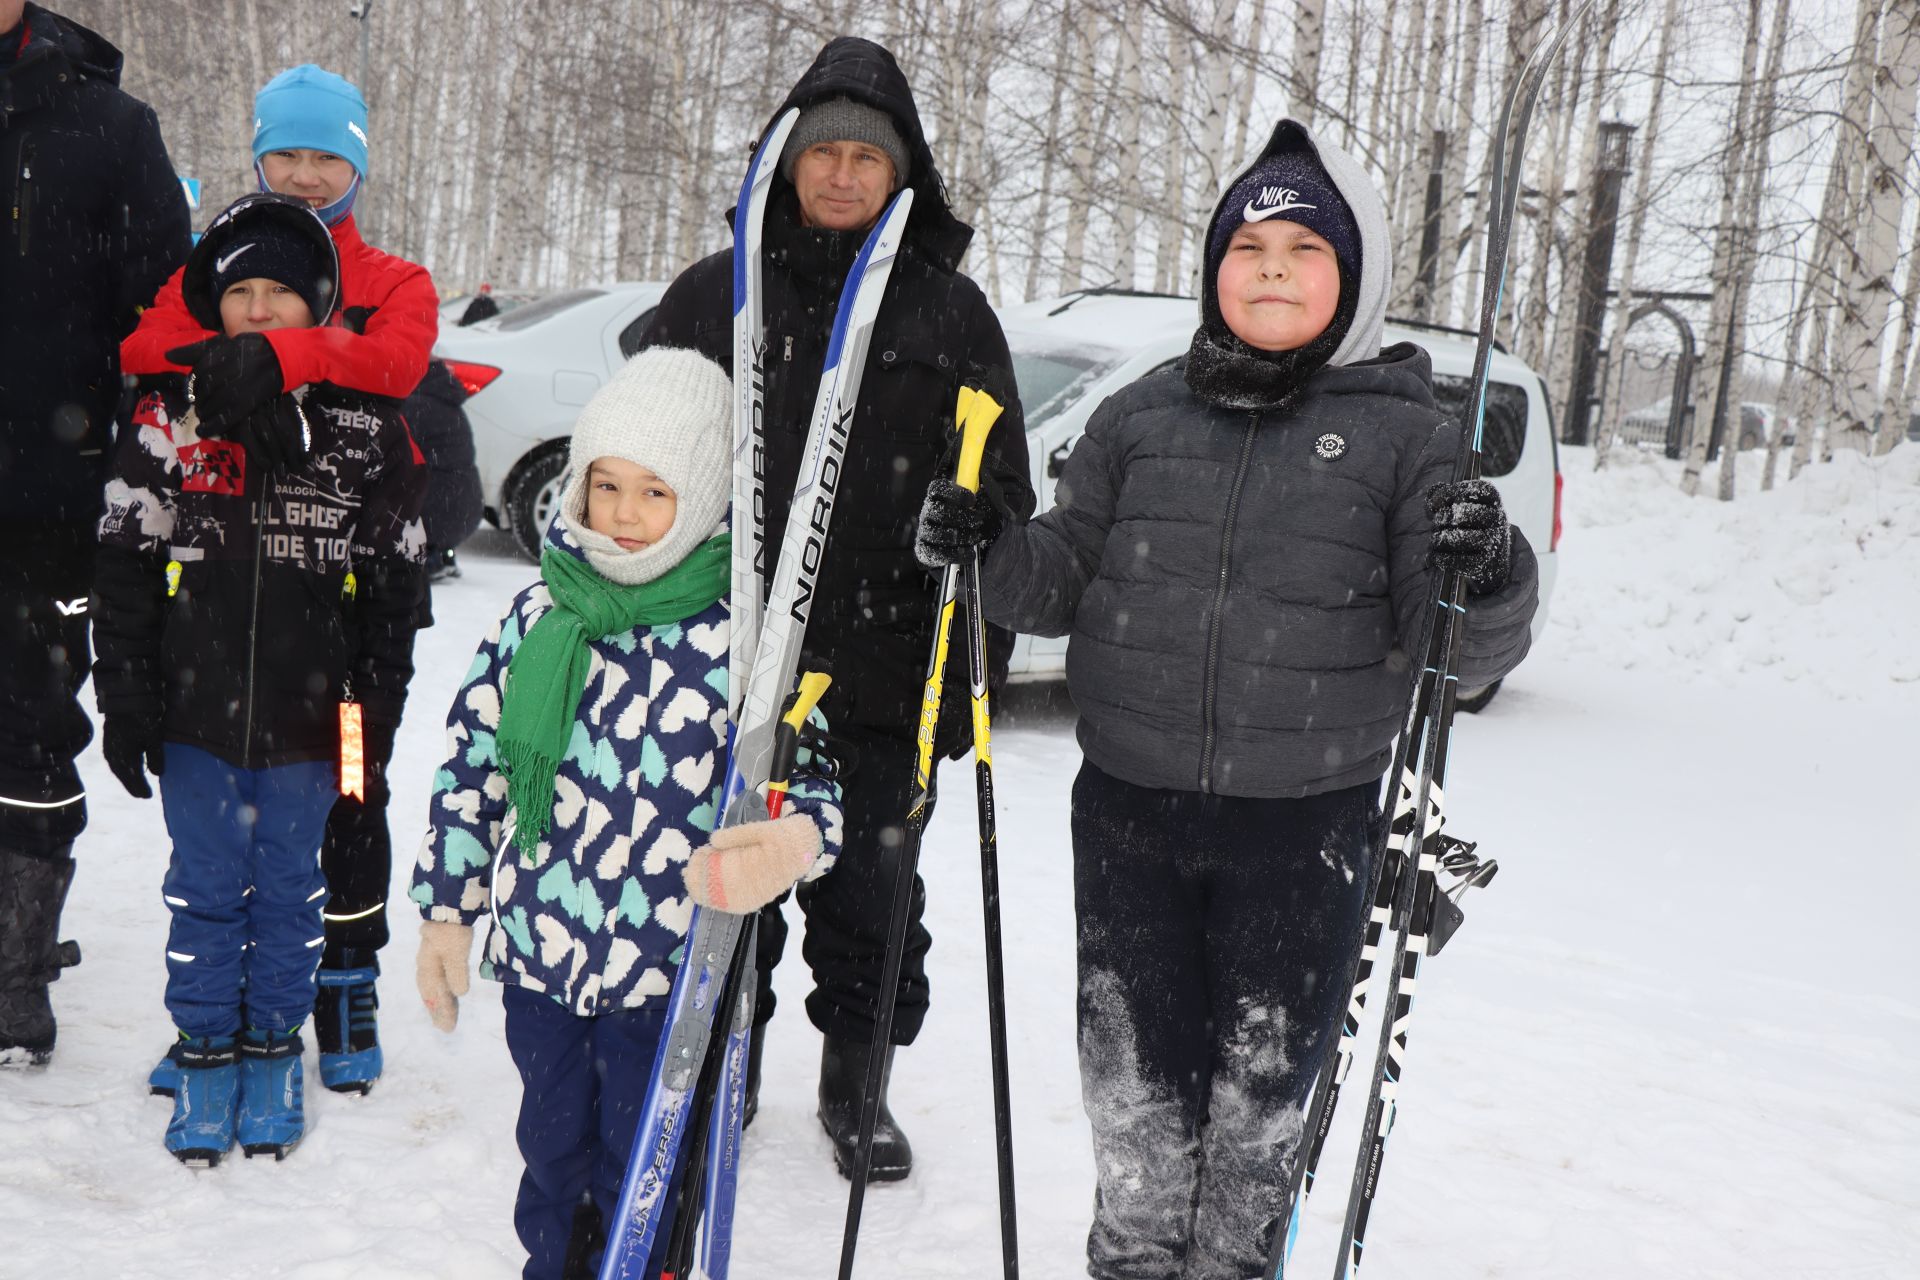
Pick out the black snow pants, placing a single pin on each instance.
(46, 573)
(847, 910)
(1213, 933)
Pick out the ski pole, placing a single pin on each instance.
(985, 406)
(973, 444)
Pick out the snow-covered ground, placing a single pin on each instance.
(1676, 1038)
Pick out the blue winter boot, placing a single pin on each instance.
(345, 1026)
(206, 1096)
(273, 1117)
(164, 1079)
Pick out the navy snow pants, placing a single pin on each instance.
(583, 1084)
(1213, 933)
(245, 890)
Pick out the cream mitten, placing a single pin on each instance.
(744, 868)
(440, 970)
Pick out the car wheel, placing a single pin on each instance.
(532, 493)
(1475, 699)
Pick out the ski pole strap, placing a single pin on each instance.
(973, 415)
(786, 739)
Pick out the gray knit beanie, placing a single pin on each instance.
(844, 120)
(672, 412)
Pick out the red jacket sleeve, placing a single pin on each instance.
(164, 325)
(389, 359)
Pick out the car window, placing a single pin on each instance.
(1504, 436)
(545, 309)
(1052, 379)
(631, 335)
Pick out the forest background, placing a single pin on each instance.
(1761, 155)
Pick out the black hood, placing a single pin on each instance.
(55, 46)
(254, 210)
(88, 52)
(860, 69)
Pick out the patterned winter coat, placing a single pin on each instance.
(597, 916)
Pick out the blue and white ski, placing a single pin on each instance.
(699, 987)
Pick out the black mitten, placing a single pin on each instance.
(128, 740)
(231, 378)
(954, 524)
(379, 753)
(1471, 535)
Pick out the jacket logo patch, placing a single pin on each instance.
(214, 466)
(1330, 446)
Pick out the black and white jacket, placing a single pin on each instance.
(244, 603)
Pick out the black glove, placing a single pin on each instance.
(232, 377)
(955, 523)
(129, 739)
(1471, 535)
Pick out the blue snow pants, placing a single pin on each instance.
(245, 890)
(583, 1084)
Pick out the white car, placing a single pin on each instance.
(1071, 353)
(528, 372)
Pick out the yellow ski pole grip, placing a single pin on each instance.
(976, 414)
(813, 687)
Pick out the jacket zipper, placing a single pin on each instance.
(253, 620)
(1209, 691)
(789, 358)
(23, 198)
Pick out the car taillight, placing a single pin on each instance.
(475, 378)
(1559, 483)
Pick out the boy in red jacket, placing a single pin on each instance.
(310, 142)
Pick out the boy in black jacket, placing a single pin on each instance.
(1243, 550)
(254, 616)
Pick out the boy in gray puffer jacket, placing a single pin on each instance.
(1242, 550)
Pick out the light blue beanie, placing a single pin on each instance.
(306, 106)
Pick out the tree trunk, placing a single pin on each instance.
(1173, 200)
(1705, 392)
(1309, 39)
(1132, 107)
(1043, 212)
(1874, 247)
(1642, 188)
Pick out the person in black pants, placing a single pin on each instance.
(857, 141)
(97, 222)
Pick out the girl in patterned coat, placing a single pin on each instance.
(574, 817)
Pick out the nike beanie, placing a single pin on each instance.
(1294, 186)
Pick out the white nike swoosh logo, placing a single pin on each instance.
(1261, 215)
(220, 264)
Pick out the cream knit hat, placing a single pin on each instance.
(672, 412)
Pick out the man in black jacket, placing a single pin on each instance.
(857, 141)
(94, 222)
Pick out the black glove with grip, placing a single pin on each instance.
(232, 377)
(1471, 535)
(129, 739)
(954, 524)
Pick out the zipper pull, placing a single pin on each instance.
(789, 358)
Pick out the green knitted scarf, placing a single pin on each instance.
(549, 670)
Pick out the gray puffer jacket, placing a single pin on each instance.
(1243, 589)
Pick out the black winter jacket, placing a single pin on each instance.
(222, 597)
(94, 223)
(1243, 588)
(440, 427)
(935, 333)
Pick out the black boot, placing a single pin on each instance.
(843, 1087)
(33, 892)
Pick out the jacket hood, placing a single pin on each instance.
(251, 211)
(1362, 339)
(89, 52)
(1402, 372)
(860, 69)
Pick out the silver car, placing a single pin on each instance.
(528, 372)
